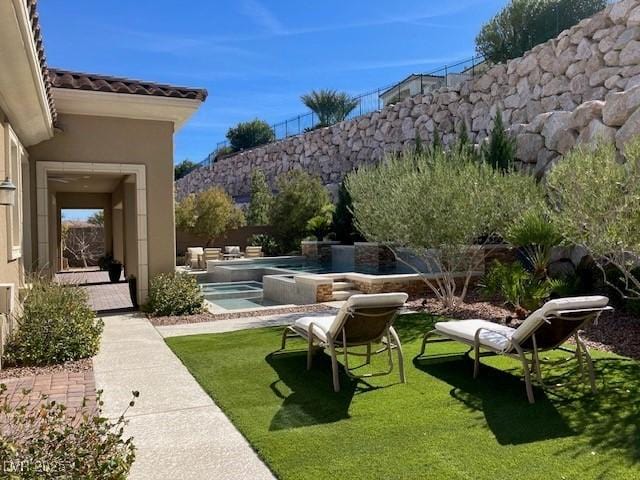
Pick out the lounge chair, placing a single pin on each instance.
(362, 321)
(548, 328)
(211, 254)
(232, 252)
(191, 258)
(253, 252)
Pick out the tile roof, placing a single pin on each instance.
(104, 83)
(37, 37)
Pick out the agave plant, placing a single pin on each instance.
(330, 106)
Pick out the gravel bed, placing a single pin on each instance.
(212, 317)
(77, 366)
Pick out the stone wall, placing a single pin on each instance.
(582, 85)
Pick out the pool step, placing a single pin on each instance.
(343, 286)
(339, 295)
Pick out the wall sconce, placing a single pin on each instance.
(7, 192)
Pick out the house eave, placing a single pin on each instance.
(139, 107)
(23, 95)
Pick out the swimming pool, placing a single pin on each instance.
(235, 295)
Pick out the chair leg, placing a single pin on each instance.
(334, 364)
(368, 353)
(309, 353)
(584, 351)
(396, 340)
(284, 338)
(476, 360)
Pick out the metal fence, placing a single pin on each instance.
(372, 101)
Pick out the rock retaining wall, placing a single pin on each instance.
(582, 85)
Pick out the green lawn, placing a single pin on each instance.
(442, 424)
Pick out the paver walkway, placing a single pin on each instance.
(103, 295)
(178, 431)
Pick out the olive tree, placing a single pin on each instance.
(595, 203)
(442, 208)
(210, 214)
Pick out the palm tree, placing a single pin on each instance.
(331, 106)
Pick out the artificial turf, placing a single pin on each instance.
(442, 424)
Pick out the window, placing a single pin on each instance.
(13, 170)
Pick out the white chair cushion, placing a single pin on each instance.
(232, 249)
(466, 330)
(322, 324)
(195, 250)
(533, 321)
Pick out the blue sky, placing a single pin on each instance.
(257, 57)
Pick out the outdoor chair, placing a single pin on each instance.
(211, 254)
(253, 252)
(548, 328)
(362, 321)
(231, 252)
(191, 258)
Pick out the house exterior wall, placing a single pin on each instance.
(107, 140)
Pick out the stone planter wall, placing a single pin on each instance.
(582, 85)
(373, 258)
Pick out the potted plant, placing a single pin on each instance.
(115, 271)
(104, 261)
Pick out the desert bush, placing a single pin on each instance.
(437, 206)
(56, 325)
(40, 441)
(594, 201)
(269, 244)
(174, 294)
(211, 214)
(500, 150)
(300, 198)
(250, 134)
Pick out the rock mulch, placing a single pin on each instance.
(78, 366)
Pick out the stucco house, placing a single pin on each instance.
(80, 140)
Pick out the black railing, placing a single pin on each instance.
(372, 101)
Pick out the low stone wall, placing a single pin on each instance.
(573, 89)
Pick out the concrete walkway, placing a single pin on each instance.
(178, 431)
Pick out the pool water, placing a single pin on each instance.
(235, 295)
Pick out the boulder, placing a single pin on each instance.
(596, 131)
(620, 10)
(626, 36)
(556, 132)
(630, 54)
(633, 20)
(538, 123)
(620, 105)
(629, 130)
(586, 112)
(528, 146)
(527, 65)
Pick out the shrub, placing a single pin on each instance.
(300, 198)
(261, 199)
(210, 214)
(250, 134)
(437, 206)
(174, 294)
(269, 244)
(320, 225)
(500, 150)
(595, 200)
(343, 226)
(520, 288)
(56, 325)
(40, 441)
(183, 168)
(523, 24)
